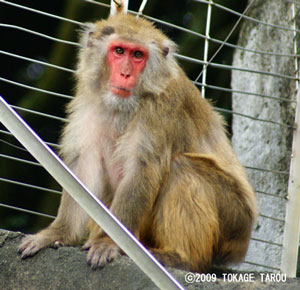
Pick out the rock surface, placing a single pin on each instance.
(66, 268)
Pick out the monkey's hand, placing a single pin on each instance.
(101, 251)
(31, 244)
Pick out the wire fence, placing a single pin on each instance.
(15, 152)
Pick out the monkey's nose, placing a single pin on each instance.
(125, 75)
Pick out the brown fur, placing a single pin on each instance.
(160, 161)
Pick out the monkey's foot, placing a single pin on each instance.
(101, 251)
(32, 244)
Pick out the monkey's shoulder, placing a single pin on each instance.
(182, 93)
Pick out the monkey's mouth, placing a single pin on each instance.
(120, 91)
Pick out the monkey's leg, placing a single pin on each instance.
(132, 202)
(67, 229)
(202, 215)
(185, 225)
(235, 204)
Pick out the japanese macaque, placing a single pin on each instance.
(144, 141)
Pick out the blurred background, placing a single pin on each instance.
(188, 14)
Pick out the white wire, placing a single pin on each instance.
(142, 7)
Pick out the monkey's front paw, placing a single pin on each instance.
(101, 252)
(31, 244)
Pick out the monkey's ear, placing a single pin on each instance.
(91, 35)
(169, 47)
(86, 34)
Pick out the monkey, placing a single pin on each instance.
(140, 136)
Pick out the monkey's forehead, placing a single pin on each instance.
(129, 27)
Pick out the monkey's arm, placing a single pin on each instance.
(133, 200)
(69, 227)
(65, 230)
(136, 194)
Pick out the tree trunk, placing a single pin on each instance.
(262, 144)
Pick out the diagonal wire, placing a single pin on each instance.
(228, 36)
(41, 12)
(249, 18)
(36, 89)
(20, 160)
(27, 211)
(38, 34)
(36, 61)
(30, 185)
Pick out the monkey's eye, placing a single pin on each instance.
(119, 50)
(138, 54)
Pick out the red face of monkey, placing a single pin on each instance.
(126, 60)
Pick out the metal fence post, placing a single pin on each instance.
(113, 4)
(292, 216)
(206, 46)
